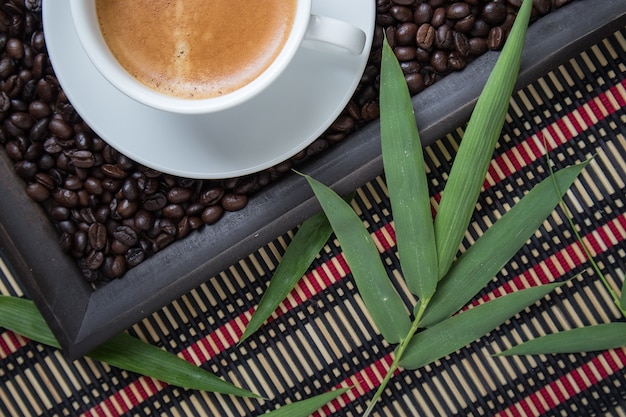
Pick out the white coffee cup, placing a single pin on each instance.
(342, 36)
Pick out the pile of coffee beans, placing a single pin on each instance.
(113, 213)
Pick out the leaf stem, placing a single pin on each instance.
(398, 355)
(570, 220)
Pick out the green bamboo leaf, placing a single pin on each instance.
(122, 351)
(405, 175)
(458, 331)
(468, 171)
(622, 299)
(584, 339)
(380, 297)
(306, 407)
(493, 250)
(304, 247)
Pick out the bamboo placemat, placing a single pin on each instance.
(321, 337)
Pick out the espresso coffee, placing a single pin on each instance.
(195, 48)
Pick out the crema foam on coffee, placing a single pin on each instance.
(195, 48)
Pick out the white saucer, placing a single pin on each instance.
(267, 130)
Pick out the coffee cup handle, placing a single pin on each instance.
(336, 32)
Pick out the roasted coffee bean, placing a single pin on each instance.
(317, 146)
(85, 142)
(37, 192)
(401, 13)
(72, 182)
(466, 24)
(126, 208)
(345, 123)
(458, 10)
(130, 189)
(118, 248)
(407, 67)
(26, 169)
(94, 259)
(461, 44)
(12, 86)
(212, 214)
(439, 17)
(173, 211)
(22, 120)
(97, 236)
(246, 185)
(40, 65)
(87, 215)
(67, 226)
(415, 82)
(39, 130)
(112, 171)
(45, 180)
(134, 256)
(494, 13)
(18, 105)
(402, 53)
(480, 29)
(495, 41)
(423, 13)
(126, 235)
(111, 185)
(370, 111)
(211, 196)
(51, 146)
(439, 61)
(195, 222)
(405, 33)
(7, 67)
(477, 46)
(164, 240)
(48, 89)
(183, 228)
(65, 197)
(444, 37)
(34, 151)
(82, 159)
(155, 202)
(456, 61)
(144, 220)
(33, 5)
(114, 266)
(14, 49)
(194, 209)
(93, 186)
(81, 240)
(59, 213)
(178, 195)
(425, 36)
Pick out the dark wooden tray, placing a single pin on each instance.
(82, 318)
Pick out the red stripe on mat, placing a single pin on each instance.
(569, 385)
(559, 264)
(559, 131)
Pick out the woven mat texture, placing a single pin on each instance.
(321, 336)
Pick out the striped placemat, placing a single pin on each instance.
(321, 337)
